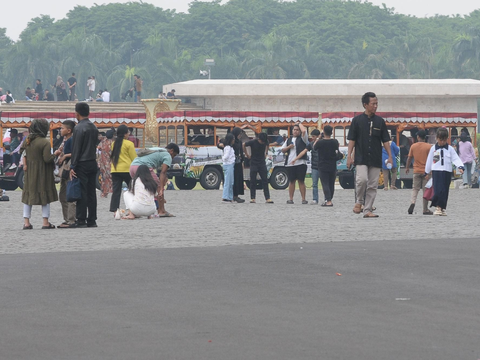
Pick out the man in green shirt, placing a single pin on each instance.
(159, 159)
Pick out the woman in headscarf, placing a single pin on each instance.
(61, 89)
(238, 168)
(104, 163)
(38, 165)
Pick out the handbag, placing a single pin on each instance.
(74, 190)
(428, 191)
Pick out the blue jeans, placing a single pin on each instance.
(228, 181)
(467, 174)
(315, 177)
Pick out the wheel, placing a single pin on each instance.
(347, 181)
(211, 178)
(407, 184)
(98, 180)
(279, 178)
(184, 183)
(19, 177)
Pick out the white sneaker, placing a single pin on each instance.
(313, 202)
(444, 212)
(118, 216)
(437, 211)
(13, 166)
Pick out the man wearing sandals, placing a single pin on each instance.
(366, 135)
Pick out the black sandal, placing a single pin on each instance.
(29, 227)
(50, 226)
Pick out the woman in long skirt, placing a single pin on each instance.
(104, 163)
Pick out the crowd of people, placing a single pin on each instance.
(77, 158)
(370, 151)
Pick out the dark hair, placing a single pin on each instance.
(315, 132)
(422, 134)
(367, 96)
(69, 124)
(228, 139)
(442, 134)
(117, 144)
(39, 80)
(328, 130)
(130, 129)
(73, 74)
(174, 147)
(143, 172)
(109, 134)
(82, 109)
(263, 136)
(13, 131)
(105, 90)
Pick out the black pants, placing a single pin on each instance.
(262, 170)
(117, 181)
(238, 180)
(87, 173)
(72, 94)
(328, 183)
(441, 187)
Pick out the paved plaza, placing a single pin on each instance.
(245, 281)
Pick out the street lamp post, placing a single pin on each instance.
(209, 63)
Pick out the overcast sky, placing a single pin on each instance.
(15, 15)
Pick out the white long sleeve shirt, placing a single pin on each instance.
(228, 155)
(442, 159)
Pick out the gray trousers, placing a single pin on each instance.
(68, 208)
(419, 182)
(366, 184)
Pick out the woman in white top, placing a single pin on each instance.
(140, 198)
(228, 167)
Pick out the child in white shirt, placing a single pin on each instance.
(228, 165)
(439, 162)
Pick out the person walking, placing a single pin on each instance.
(390, 173)
(367, 133)
(104, 163)
(123, 153)
(259, 151)
(296, 169)
(327, 149)
(228, 159)
(39, 182)
(84, 166)
(439, 163)
(72, 83)
(419, 153)
(468, 157)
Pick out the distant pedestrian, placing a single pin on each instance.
(91, 87)
(104, 163)
(39, 181)
(64, 154)
(123, 153)
(84, 166)
(296, 169)
(72, 83)
(315, 134)
(328, 150)
(468, 157)
(440, 160)
(39, 89)
(238, 181)
(419, 153)
(60, 88)
(390, 170)
(228, 159)
(138, 88)
(367, 133)
(259, 150)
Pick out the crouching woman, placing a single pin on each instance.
(140, 198)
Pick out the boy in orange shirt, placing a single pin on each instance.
(419, 152)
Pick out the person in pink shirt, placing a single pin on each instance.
(468, 157)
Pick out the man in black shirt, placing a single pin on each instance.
(83, 164)
(72, 82)
(39, 89)
(366, 135)
(258, 150)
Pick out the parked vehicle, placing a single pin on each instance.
(197, 133)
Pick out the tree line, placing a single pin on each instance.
(258, 39)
